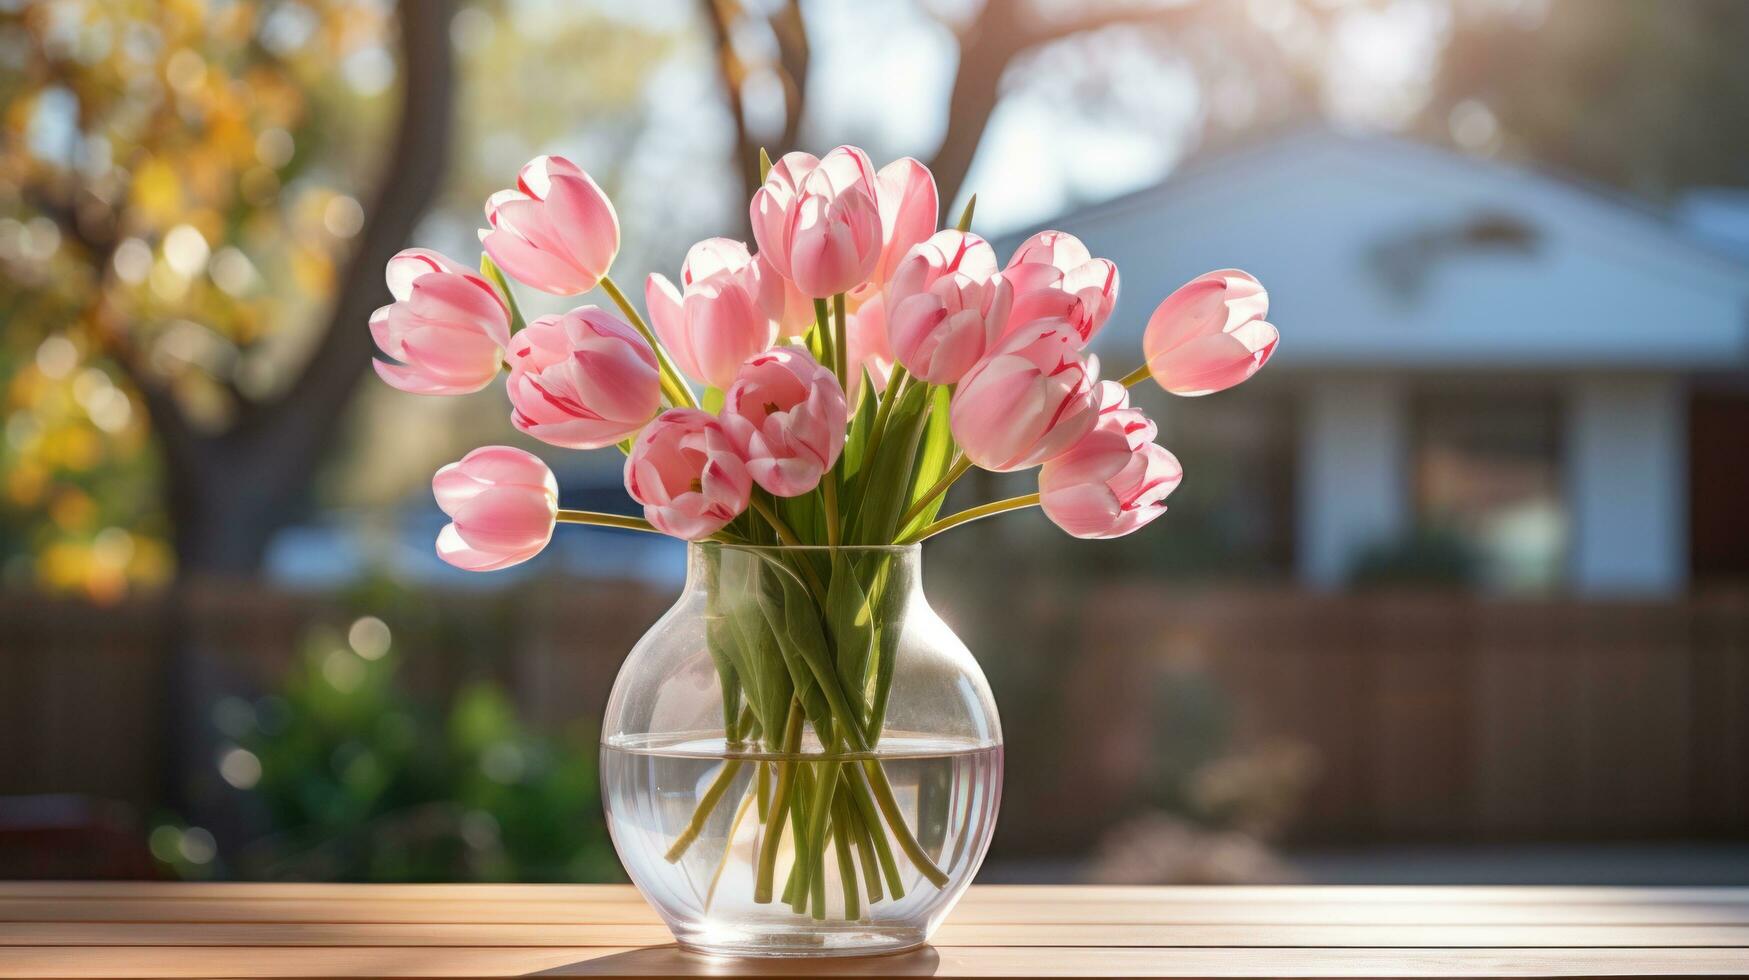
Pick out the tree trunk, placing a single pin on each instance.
(228, 493)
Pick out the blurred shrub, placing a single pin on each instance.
(352, 779)
(1426, 557)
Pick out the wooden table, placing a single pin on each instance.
(188, 930)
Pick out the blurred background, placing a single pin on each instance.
(1457, 590)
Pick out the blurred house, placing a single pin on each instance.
(1553, 376)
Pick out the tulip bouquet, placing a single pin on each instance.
(848, 372)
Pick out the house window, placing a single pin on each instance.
(1487, 475)
(1233, 516)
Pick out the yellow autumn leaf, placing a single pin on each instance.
(157, 191)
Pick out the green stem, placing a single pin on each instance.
(707, 804)
(801, 874)
(606, 520)
(859, 832)
(889, 807)
(971, 514)
(780, 801)
(828, 349)
(863, 801)
(678, 391)
(825, 784)
(841, 342)
(784, 534)
(817, 880)
(848, 718)
(1139, 374)
(954, 472)
(713, 794)
(829, 499)
(846, 869)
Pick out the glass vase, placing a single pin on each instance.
(800, 758)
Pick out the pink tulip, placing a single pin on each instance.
(727, 310)
(817, 221)
(948, 304)
(1029, 400)
(583, 380)
(798, 307)
(1114, 481)
(1053, 275)
(906, 198)
(785, 415)
(447, 326)
(868, 348)
(1210, 334)
(502, 504)
(687, 475)
(556, 231)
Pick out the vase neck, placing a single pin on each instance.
(726, 568)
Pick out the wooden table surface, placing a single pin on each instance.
(249, 930)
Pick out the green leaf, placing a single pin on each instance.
(722, 642)
(966, 215)
(816, 343)
(886, 493)
(753, 648)
(712, 401)
(791, 616)
(856, 443)
(490, 270)
(890, 594)
(850, 619)
(805, 515)
(935, 455)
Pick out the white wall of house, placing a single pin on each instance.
(1627, 487)
(1624, 450)
(1353, 472)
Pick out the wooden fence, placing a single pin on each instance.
(1440, 718)
(1448, 718)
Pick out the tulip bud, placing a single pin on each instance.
(728, 309)
(948, 306)
(583, 380)
(502, 504)
(555, 231)
(447, 326)
(1029, 400)
(817, 222)
(785, 415)
(1115, 480)
(687, 475)
(1053, 275)
(1210, 334)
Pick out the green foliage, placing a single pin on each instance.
(358, 782)
(1427, 557)
(1627, 93)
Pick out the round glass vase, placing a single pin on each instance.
(800, 758)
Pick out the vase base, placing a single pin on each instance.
(847, 939)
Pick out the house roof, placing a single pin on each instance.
(1381, 253)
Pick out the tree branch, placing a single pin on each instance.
(793, 57)
(988, 45)
(304, 418)
(791, 68)
(720, 14)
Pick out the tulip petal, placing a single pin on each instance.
(1215, 362)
